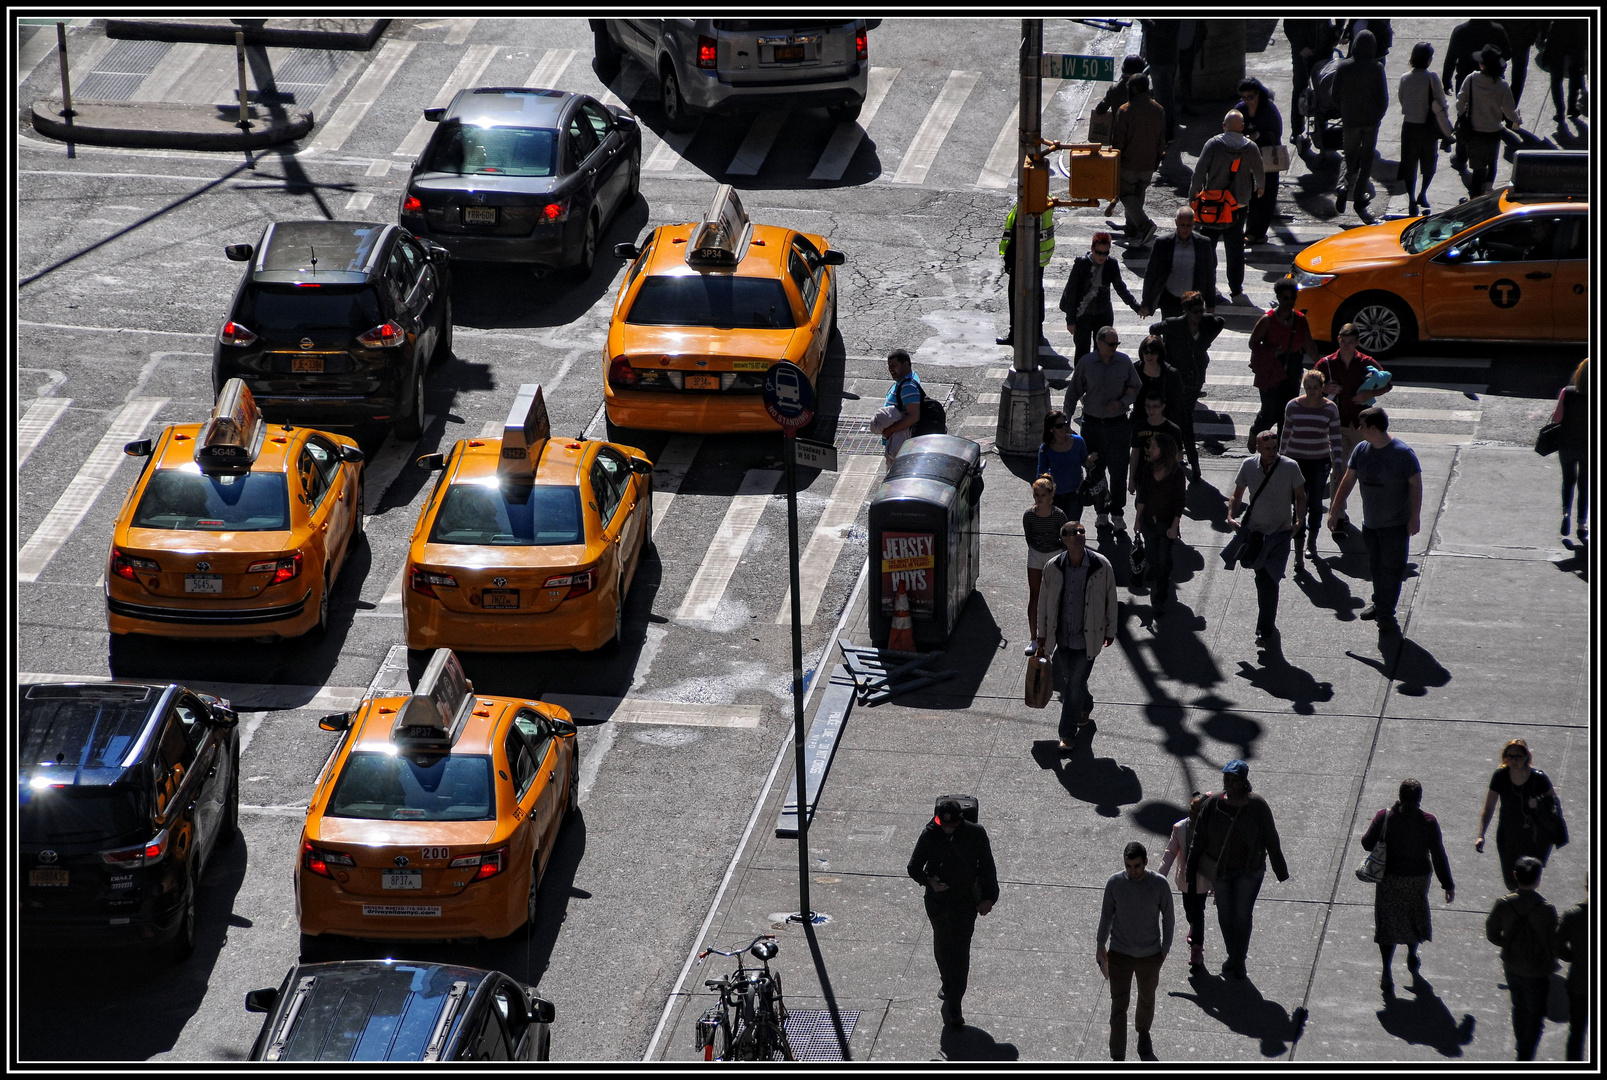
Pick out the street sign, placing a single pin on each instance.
(1072, 66)
(788, 397)
(814, 455)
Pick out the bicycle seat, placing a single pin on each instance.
(765, 950)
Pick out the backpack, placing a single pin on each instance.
(1216, 206)
(934, 418)
(1526, 942)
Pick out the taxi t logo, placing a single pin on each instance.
(1504, 293)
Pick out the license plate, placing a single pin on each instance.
(208, 583)
(402, 879)
(47, 875)
(479, 215)
(789, 53)
(399, 909)
(312, 364)
(702, 382)
(500, 598)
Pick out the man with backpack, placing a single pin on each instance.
(954, 861)
(1361, 96)
(1228, 171)
(1524, 925)
(907, 412)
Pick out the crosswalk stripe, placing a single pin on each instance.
(630, 84)
(633, 710)
(702, 599)
(846, 138)
(670, 152)
(935, 127)
(831, 532)
(36, 424)
(359, 200)
(461, 28)
(761, 136)
(551, 69)
(85, 488)
(465, 75)
(668, 472)
(1000, 170)
(1456, 416)
(369, 87)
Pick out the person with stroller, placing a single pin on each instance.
(1361, 97)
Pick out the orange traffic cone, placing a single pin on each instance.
(902, 636)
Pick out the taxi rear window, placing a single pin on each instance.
(510, 515)
(504, 151)
(182, 499)
(723, 301)
(390, 787)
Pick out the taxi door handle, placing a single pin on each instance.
(324, 527)
(552, 774)
(1538, 275)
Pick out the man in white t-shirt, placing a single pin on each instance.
(1277, 511)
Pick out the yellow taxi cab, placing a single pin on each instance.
(706, 308)
(1511, 265)
(235, 528)
(435, 815)
(527, 543)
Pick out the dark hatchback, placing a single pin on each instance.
(125, 791)
(524, 175)
(336, 322)
(391, 1010)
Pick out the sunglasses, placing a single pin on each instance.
(1062, 424)
(1516, 755)
(1107, 341)
(1101, 251)
(1078, 535)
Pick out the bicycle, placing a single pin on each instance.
(754, 994)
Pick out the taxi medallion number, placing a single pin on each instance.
(402, 879)
(47, 875)
(203, 583)
(500, 598)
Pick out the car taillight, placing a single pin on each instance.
(578, 584)
(556, 211)
(411, 205)
(621, 374)
(488, 864)
(424, 582)
(235, 334)
(125, 566)
(705, 51)
(146, 854)
(282, 569)
(319, 862)
(859, 46)
(383, 337)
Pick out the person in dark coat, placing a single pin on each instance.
(1524, 925)
(1467, 41)
(1234, 839)
(1311, 43)
(1383, 35)
(1522, 33)
(1517, 787)
(1160, 51)
(1563, 52)
(1412, 842)
(1573, 451)
(1264, 127)
(1361, 94)
(1188, 340)
(1573, 945)
(1086, 298)
(1167, 277)
(954, 861)
(1139, 133)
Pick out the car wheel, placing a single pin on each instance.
(588, 250)
(411, 426)
(606, 54)
(443, 344)
(182, 946)
(321, 627)
(844, 113)
(231, 808)
(1383, 324)
(676, 118)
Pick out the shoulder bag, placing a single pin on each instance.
(1040, 681)
(1548, 820)
(1209, 863)
(1101, 125)
(1549, 439)
(1371, 869)
(1245, 546)
(1275, 158)
(1216, 206)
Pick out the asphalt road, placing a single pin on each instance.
(123, 283)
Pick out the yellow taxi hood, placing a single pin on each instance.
(685, 345)
(509, 557)
(185, 542)
(340, 830)
(1368, 247)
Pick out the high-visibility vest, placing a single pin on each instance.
(1046, 234)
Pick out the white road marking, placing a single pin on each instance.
(702, 599)
(669, 153)
(473, 64)
(634, 710)
(359, 200)
(1458, 416)
(85, 487)
(334, 133)
(36, 424)
(378, 167)
(1410, 438)
(756, 146)
(551, 69)
(831, 532)
(460, 31)
(668, 472)
(1000, 169)
(385, 466)
(243, 696)
(629, 86)
(846, 138)
(935, 128)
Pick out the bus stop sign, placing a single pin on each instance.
(788, 397)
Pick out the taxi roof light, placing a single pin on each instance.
(722, 237)
(527, 427)
(230, 441)
(428, 720)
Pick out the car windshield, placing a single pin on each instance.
(183, 498)
(391, 787)
(509, 514)
(724, 301)
(1438, 228)
(507, 151)
(298, 308)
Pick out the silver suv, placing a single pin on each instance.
(730, 65)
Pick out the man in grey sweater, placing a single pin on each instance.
(1139, 943)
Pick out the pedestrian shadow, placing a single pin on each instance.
(1203, 502)
(1281, 679)
(1578, 561)
(1186, 561)
(1407, 663)
(1325, 590)
(971, 1043)
(1100, 781)
(1239, 1007)
(1423, 1020)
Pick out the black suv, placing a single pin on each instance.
(125, 790)
(392, 1010)
(335, 323)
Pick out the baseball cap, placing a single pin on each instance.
(1238, 767)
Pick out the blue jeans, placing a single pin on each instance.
(1529, 994)
(1386, 561)
(1235, 912)
(1071, 673)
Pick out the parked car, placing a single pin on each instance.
(523, 175)
(731, 65)
(336, 322)
(391, 1010)
(125, 792)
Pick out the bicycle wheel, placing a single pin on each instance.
(721, 1044)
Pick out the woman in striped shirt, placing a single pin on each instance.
(1042, 527)
(1311, 438)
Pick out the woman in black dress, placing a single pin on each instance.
(1412, 844)
(1518, 786)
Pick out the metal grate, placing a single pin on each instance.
(854, 436)
(812, 1035)
(121, 70)
(304, 73)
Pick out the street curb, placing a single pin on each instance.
(140, 30)
(197, 127)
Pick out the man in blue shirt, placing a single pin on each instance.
(1391, 504)
(905, 395)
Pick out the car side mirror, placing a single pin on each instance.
(833, 257)
(338, 721)
(641, 466)
(223, 718)
(625, 120)
(438, 254)
(627, 251)
(262, 1000)
(351, 454)
(431, 462)
(434, 115)
(564, 729)
(138, 448)
(238, 252)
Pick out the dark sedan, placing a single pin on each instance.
(524, 175)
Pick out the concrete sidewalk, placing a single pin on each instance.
(1496, 621)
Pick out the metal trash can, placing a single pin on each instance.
(925, 535)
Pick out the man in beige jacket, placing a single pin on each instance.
(1076, 619)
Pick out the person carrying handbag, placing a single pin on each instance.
(1519, 788)
(1271, 524)
(1263, 125)
(1425, 125)
(1086, 298)
(1235, 838)
(1400, 904)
